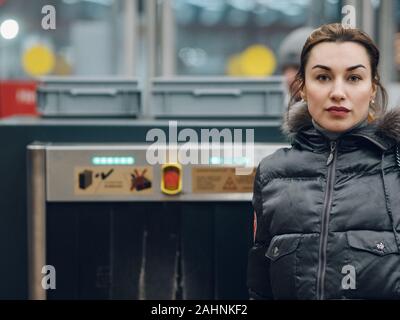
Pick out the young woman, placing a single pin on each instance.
(327, 210)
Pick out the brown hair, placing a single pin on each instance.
(335, 32)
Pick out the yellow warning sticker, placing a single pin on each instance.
(222, 179)
(110, 180)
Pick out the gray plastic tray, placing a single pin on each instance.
(217, 97)
(88, 97)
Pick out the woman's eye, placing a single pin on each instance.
(354, 78)
(322, 77)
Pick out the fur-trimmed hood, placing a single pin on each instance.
(386, 127)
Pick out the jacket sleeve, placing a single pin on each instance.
(258, 276)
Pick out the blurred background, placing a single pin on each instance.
(190, 37)
(176, 37)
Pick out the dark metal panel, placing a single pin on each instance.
(160, 268)
(62, 249)
(94, 251)
(233, 236)
(149, 251)
(197, 250)
(127, 234)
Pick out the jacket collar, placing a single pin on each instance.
(383, 132)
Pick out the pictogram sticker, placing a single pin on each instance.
(113, 181)
(229, 185)
(221, 179)
(139, 181)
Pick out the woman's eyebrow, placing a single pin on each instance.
(348, 69)
(321, 66)
(355, 67)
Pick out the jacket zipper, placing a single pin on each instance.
(331, 163)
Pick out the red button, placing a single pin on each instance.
(171, 179)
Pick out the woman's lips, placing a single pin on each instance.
(338, 111)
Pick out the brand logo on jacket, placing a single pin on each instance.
(349, 280)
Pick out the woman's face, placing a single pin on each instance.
(338, 86)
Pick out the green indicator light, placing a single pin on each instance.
(229, 161)
(215, 160)
(241, 161)
(114, 161)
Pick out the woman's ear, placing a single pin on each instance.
(374, 89)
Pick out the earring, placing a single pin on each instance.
(373, 102)
(371, 116)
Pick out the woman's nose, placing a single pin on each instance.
(338, 92)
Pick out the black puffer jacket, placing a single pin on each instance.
(328, 214)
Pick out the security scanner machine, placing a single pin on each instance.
(90, 211)
(114, 227)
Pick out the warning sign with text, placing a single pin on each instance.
(212, 180)
(110, 180)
